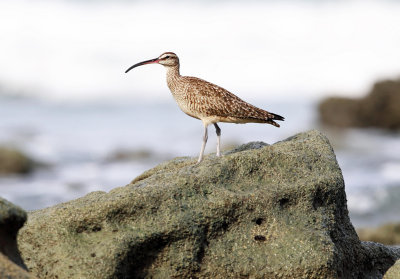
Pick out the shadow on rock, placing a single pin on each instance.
(12, 219)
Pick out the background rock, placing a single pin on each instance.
(12, 219)
(261, 211)
(380, 108)
(387, 234)
(13, 161)
(129, 155)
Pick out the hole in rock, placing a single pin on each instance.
(283, 202)
(259, 238)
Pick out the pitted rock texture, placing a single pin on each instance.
(260, 211)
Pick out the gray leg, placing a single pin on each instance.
(203, 145)
(218, 131)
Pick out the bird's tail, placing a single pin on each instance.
(272, 117)
(277, 117)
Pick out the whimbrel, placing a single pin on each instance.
(208, 102)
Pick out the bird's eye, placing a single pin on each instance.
(166, 57)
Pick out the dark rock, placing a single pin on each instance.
(380, 108)
(14, 162)
(12, 218)
(273, 211)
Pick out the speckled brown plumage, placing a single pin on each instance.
(208, 102)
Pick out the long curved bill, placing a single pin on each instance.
(155, 60)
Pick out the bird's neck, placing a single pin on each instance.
(172, 77)
(173, 72)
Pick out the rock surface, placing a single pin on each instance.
(388, 234)
(260, 211)
(12, 219)
(393, 272)
(13, 161)
(380, 108)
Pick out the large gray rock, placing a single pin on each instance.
(12, 218)
(261, 211)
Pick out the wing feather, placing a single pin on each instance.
(212, 100)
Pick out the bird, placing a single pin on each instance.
(208, 102)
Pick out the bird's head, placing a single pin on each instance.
(167, 59)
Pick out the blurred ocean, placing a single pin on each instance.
(65, 100)
(101, 145)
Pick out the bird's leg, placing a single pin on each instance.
(218, 131)
(203, 146)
